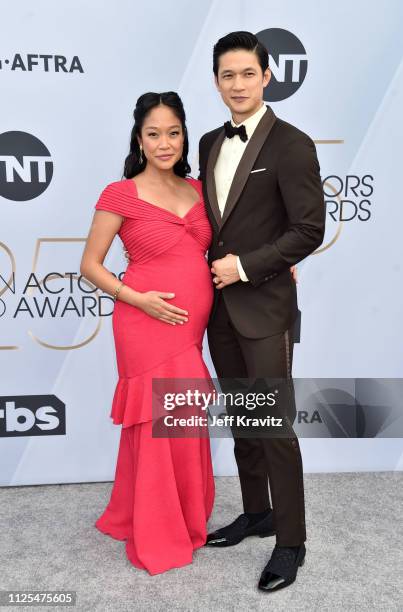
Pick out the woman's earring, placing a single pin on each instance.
(141, 155)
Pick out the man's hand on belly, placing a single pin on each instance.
(225, 271)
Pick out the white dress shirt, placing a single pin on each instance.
(228, 159)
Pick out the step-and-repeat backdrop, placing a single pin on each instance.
(70, 73)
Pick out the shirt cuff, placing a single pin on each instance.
(241, 271)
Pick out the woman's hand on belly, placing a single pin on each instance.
(153, 303)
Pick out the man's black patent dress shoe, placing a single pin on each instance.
(282, 568)
(241, 528)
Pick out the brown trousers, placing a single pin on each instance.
(263, 461)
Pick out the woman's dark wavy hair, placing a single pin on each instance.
(144, 105)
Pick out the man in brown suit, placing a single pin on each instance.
(264, 197)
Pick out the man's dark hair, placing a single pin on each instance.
(240, 40)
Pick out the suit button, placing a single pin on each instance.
(266, 278)
(221, 243)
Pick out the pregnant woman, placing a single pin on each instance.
(163, 491)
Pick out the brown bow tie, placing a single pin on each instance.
(231, 131)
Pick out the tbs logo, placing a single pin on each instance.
(32, 415)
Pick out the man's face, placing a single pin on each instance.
(240, 81)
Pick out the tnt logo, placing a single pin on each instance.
(32, 415)
(287, 61)
(26, 167)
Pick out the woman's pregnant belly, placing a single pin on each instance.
(143, 341)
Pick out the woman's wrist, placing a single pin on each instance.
(117, 291)
(123, 293)
(136, 298)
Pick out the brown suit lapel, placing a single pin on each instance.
(210, 182)
(252, 150)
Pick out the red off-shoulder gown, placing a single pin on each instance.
(163, 491)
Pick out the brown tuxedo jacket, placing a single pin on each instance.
(272, 219)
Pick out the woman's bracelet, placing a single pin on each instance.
(115, 295)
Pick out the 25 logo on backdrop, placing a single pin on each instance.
(32, 415)
(26, 166)
(61, 300)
